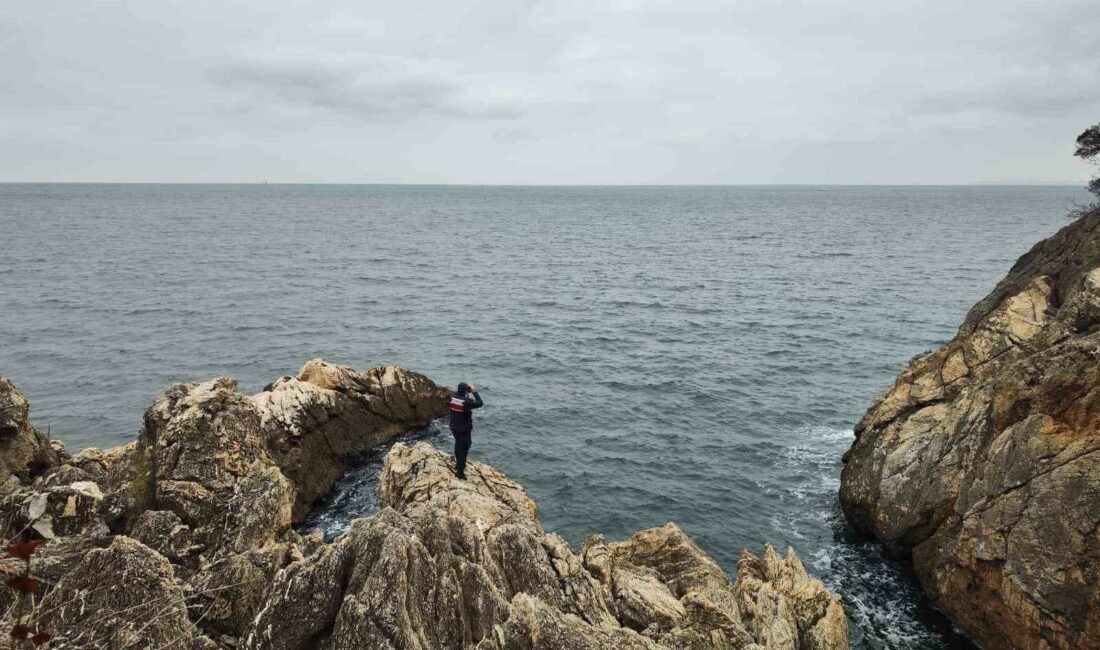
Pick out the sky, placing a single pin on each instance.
(547, 92)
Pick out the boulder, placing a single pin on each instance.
(67, 510)
(25, 453)
(312, 423)
(209, 466)
(217, 505)
(980, 461)
(665, 586)
(453, 564)
(534, 625)
(122, 596)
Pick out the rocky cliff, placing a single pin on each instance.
(980, 461)
(184, 539)
(452, 564)
(178, 536)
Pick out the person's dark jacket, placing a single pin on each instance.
(462, 406)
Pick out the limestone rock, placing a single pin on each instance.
(67, 510)
(165, 533)
(534, 625)
(436, 568)
(123, 596)
(667, 587)
(328, 413)
(208, 465)
(980, 462)
(202, 492)
(183, 540)
(219, 507)
(24, 452)
(452, 564)
(226, 595)
(123, 474)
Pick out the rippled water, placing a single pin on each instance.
(646, 354)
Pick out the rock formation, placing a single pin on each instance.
(452, 564)
(184, 539)
(328, 413)
(980, 461)
(24, 452)
(201, 504)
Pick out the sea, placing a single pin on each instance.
(646, 354)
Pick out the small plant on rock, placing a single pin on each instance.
(24, 632)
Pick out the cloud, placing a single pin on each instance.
(367, 87)
(567, 91)
(1024, 98)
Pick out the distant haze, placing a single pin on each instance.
(520, 91)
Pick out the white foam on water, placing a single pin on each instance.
(883, 605)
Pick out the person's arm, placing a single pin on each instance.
(477, 400)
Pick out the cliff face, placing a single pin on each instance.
(183, 539)
(980, 461)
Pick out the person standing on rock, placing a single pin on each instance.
(462, 423)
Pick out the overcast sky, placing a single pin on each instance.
(574, 91)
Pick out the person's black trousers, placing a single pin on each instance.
(462, 447)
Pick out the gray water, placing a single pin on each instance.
(646, 354)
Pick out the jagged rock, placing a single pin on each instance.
(452, 564)
(201, 486)
(165, 533)
(67, 510)
(123, 596)
(217, 495)
(122, 474)
(328, 413)
(183, 540)
(208, 465)
(778, 597)
(534, 625)
(980, 462)
(227, 594)
(63, 503)
(24, 452)
(435, 568)
(667, 587)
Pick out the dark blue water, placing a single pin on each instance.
(696, 354)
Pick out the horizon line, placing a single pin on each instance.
(446, 184)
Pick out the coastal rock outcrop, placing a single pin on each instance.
(124, 595)
(24, 452)
(981, 463)
(201, 500)
(208, 467)
(327, 413)
(452, 564)
(184, 540)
